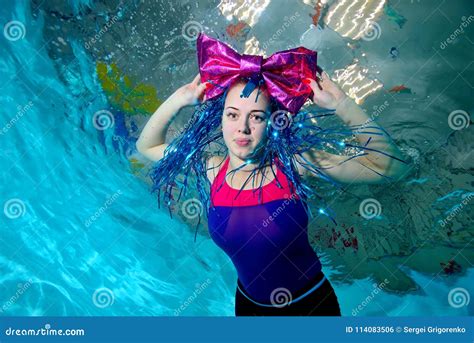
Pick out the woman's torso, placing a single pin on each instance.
(264, 234)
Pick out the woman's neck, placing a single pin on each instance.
(247, 166)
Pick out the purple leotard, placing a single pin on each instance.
(267, 241)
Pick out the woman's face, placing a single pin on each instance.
(244, 121)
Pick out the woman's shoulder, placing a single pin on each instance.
(214, 164)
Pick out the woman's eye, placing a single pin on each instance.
(231, 115)
(258, 119)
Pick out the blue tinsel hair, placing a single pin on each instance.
(287, 137)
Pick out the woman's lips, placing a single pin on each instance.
(242, 142)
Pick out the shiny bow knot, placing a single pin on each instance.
(250, 65)
(282, 72)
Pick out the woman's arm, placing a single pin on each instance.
(151, 142)
(370, 165)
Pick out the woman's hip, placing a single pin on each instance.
(316, 299)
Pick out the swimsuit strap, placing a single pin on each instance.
(221, 173)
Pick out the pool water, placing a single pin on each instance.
(82, 235)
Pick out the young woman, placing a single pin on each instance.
(264, 232)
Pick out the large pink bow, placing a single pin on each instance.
(282, 72)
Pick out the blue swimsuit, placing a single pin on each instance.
(267, 241)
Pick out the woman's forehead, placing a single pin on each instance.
(234, 100)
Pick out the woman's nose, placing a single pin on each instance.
(244, 126)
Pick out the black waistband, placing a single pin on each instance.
(308, 286)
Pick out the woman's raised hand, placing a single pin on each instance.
(191, 93)
(326, 93)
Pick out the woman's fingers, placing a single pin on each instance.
(324, 76)
(315, 86)
(201, 88)
(196, 80)
(201, 95)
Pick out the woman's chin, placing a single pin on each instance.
(243, 153)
